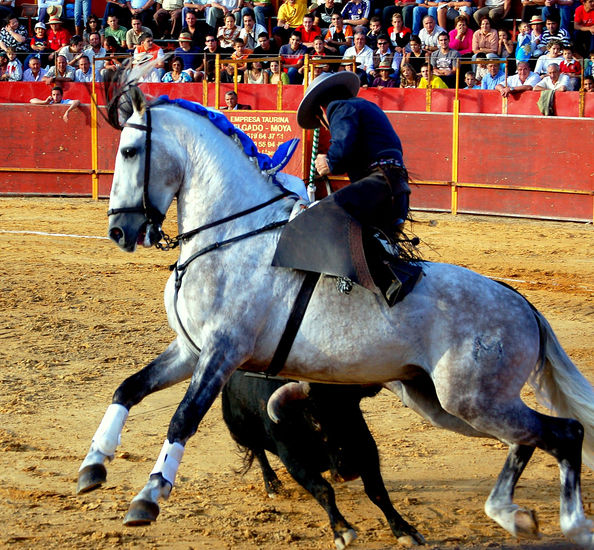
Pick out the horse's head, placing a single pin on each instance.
(146, 178)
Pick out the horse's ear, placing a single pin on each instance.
(138, 100)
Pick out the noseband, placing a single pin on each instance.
(152, 214)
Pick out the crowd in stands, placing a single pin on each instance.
(388, 43)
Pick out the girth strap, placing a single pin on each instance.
(293, 323)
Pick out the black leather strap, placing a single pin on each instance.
(293, 323)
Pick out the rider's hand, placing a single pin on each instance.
(322, 165)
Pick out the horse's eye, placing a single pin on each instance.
(128, 152)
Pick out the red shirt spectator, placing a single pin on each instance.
(57, 37)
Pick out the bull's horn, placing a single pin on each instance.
(284, 394)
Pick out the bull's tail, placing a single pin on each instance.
(561, 387)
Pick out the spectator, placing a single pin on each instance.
(228, 32)
(584, 27)
(554, 80)
(553, 55)
(113, 53)
(308, 30)
(553, 31)
(494, 76)
(93, 25)
(445, 60)
(168, 18)
(153, 53)
(417, 56)
(538, 45)
(383, 54)
(6, 8)
(450, 11)
(142, 9)
(471, 81)
(255, 74)
(572, 68)
(495, 10)
(212, 48)
(13, 35)
(562, 10)
(57, 98)
(429, 34)
(251, 31)
(589, 84)
(95, 49)
(60, 72)
(531, 8)
(118, 8)
(480, 70)
(192, 28)
(323, 15)
(289, 17)
(429, 80)
(461, 37)
(262, 10)
(275, 74)
(375, 29)
(177, 73)
(82, 10)
(399, 34)
(231, 102)
(589, 65)
(74, 51)
(14, 68)
(84, 73)
(265, 47)
(319, 48)
(524, 43)
(384, 80)
(505, 47)
(363, 54)
(241, 52)
(188, 53)
(220, 9)
(356, 12)
(133, 35)
(523, 81)
(408, 76)
(292, 57)
(485, 40)
(423, 9)
(39, 44)
(35, 72)
(116, 30)
(3, 63)
(339, 37)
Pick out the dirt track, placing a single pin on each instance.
(78, 316)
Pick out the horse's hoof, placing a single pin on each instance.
(407, 541)
(345, 539)
(526, 524)
(90, 477)
(141, 512)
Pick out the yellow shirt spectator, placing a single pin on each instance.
(290, 14)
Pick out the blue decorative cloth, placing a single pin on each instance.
(267, 164)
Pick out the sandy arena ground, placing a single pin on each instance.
(78, 316)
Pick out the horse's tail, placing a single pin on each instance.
(561, 387)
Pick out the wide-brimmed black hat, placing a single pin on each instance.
(307, 113)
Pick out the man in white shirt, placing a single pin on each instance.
(363, 55)
(34, 73)
(95, 49)
(250, 32)
(554, 80)
(429, 34)
(523, 81)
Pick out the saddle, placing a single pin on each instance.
(329, 240)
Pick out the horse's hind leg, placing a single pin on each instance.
(500, 507)
(169, 368)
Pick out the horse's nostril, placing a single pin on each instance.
(116, 234)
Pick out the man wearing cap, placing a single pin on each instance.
(188, 53)
(365, 146)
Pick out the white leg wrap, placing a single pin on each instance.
(169, 460)
(107, 436)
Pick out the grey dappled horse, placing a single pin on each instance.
(460, 345)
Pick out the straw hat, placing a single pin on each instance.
(54, 11)
(384, 66)
(185, 37)
(55, 21)
(535, 20)
(308, 108)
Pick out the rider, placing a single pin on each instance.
(364, 145)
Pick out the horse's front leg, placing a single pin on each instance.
(214, 368)
(175, 364)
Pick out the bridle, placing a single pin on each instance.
(156, 218)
